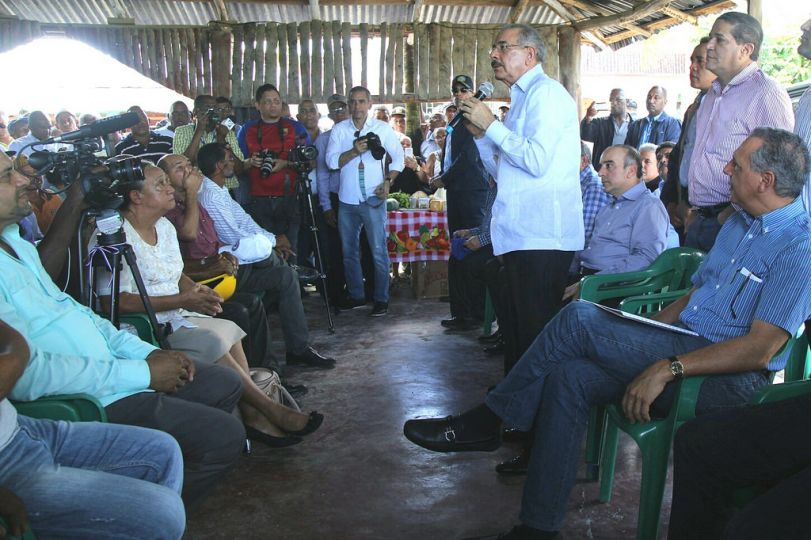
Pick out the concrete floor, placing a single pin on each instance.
(357, 477)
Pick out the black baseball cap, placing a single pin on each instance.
(464, 81)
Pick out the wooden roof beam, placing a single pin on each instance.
(315, 10)
(518, 10)
(222, 10)
(600, 10)
(680, 15)
(619, 19)
(561, 10)
(417, 11)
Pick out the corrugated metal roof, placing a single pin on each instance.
(200, 12)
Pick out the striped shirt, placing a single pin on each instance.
(184, 135)
(724, 119)
(231, 221)
(758, 269)
(157, 147)
(594, 197)
(802, 127)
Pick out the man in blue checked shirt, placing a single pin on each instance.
(752, 292)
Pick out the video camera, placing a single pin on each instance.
(373, 144)
(213, 118)
(100, 182)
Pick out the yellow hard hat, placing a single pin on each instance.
(224, 285)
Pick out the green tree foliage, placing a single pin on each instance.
(779, 58)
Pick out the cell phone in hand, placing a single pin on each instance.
(409, 152)
(228, 123)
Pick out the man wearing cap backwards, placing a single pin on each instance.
(465, 179)
(537, 222)
(329, 181)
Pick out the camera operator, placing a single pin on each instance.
(268, 140)
(358, 147)
(208, 127)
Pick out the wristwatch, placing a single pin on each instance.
(676, 367)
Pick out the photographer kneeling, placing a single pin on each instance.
(358, 147)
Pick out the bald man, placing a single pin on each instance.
(658, 126)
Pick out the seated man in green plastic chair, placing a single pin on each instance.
(84, 479)
(751, 294)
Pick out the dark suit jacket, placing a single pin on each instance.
(599, 131)
(665, 129)
(672, 192)
(465, 181)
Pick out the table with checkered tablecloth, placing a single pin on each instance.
(417, 236)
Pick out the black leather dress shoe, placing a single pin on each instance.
(492, 338)
(274, 442)
(310, 357)
(449, 434)
(516, 466)
(515, 435)
(519, 532)
(459, 323)
(495, 348)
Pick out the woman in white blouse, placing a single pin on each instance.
(188, 307)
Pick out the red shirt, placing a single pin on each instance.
(278, 137)
(207, 243)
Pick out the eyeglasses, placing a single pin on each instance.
(503, 46)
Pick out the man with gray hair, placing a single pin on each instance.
(740, 314)
(537, 223)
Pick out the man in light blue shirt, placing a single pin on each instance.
(363, 192)
(75, 351)
(750, 295)
(537, 222)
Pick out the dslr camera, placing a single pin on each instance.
(213, 117)
(267, 157)
(374, 145)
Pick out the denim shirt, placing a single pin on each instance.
(759, 269)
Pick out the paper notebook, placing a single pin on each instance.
(643, 320)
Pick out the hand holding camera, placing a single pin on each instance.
(371, 142)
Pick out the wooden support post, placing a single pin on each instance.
(569, 60)
(755, 9)
(220, 62)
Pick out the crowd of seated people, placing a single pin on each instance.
(212, 202)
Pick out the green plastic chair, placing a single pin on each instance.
(142, 325)
(670, 272)
(489, 314)
(654, 438)
(68, 407)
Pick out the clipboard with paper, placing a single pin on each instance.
(643, 320)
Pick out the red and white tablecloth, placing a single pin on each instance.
(418, 236)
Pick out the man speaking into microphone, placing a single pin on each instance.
(537, 217)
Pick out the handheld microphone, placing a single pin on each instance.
(98, 129)
(485, 91)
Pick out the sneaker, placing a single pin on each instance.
(351, 303)
(379, 309)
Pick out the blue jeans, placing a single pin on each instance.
(587, 357)
(351, 217)
(93, 480)
(702, 232)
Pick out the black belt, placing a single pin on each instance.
(587, 271)
(711, 211)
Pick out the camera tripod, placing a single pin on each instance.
(112, 244)
(306, 191)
